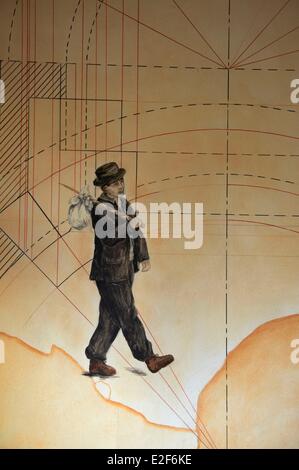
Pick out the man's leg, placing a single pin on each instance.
(105, 333)
(119, 299)
(154, 362)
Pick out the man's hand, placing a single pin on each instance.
(135, 221)
(145, 265)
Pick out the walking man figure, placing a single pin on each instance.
(115, 261)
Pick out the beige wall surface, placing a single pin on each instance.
(193, 98)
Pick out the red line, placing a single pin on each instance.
(74, 305)
(106, 78)
(59, 169)
(248, 31)
(158, 192)
(58, 218)
(212, 443)
(26, 121)
(137, 95)
(272, 57)
(265, 47)
(122, 71)
(200, 129)
(52, 110)
(68, 246)
(201, 35)
(38, 307)
(169, 133)
(27, 118)
(83, 77)
(81, 102)
(157, 393)
(264, 187)
(262, 30)
(34, 136)
(22, 179)
(21, 124)
(164, 35)
(200, 421)
(230, 184)
(264, 223)
(14, 278)
(75, 156)
(96, 92)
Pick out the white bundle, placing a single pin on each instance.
(79, 209)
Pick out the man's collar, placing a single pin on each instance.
(105, 197)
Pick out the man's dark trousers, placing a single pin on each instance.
(118, 311)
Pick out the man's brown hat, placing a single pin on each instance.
(108, 173)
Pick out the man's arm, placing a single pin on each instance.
(140, 246)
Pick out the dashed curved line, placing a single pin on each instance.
(11, 29)
(218, 154)
(43, 236)
(254, 131)
(218, 214)
(99, 5)
(264, 187)
(35, 243)
(231, 184)
(164, 134)
(134, 114)
(70, 31)
(192, 68)
(213, 214)
(66, 61)
(217, 174)
(163, 108)
(264, 223)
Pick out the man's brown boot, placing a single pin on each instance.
(97, 367)
(155, 362)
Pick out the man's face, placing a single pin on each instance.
(116, 188)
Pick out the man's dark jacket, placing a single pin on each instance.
(111, 257)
